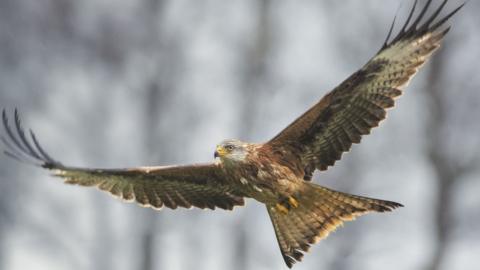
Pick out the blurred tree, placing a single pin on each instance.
(253, 84)
(151, 14)
(5, 185)
(7, 204)
(346, 243)
(151, 227)
(53, 51)
(447, 167)
(160, 85)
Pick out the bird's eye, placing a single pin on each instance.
(229, 147)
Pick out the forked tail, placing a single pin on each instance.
(315, 213)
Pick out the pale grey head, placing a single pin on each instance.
(231, 150)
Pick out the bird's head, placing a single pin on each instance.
(231, 150)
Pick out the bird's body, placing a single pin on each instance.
(278, 172)
(262, 174)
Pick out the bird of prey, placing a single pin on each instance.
(276, 173)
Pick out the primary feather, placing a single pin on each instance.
(198, 185)
(273, 173)
(322, 134)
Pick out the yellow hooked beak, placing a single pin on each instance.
(220, 152)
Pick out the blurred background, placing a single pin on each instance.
(125, 83)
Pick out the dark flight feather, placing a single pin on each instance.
(273, 173)
(200, 185)
(322, 134)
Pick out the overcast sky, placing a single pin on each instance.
(126, 83)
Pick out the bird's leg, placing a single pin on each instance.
(284, 205)
(293, 202)
(281, 208)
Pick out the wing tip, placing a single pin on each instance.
(289, 261)
(20, 148)
(417, 28)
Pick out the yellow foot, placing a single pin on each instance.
(285, 205)
(293, 202)
(281, 208)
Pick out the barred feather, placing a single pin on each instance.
(321, 135)
(202, 185)
(320, 211)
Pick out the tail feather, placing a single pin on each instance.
(319, 212)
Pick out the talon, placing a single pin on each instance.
(281, 208)
(293, 202)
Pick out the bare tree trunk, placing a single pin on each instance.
(2, 246)
(152, 10)
(5, 204)
(149, 218)
(447, 171)
(147, 242)
(254, 77)
(255, 70)
(348, 240)
(102, 252)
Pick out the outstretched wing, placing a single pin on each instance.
(322, 134)
(202, 185)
